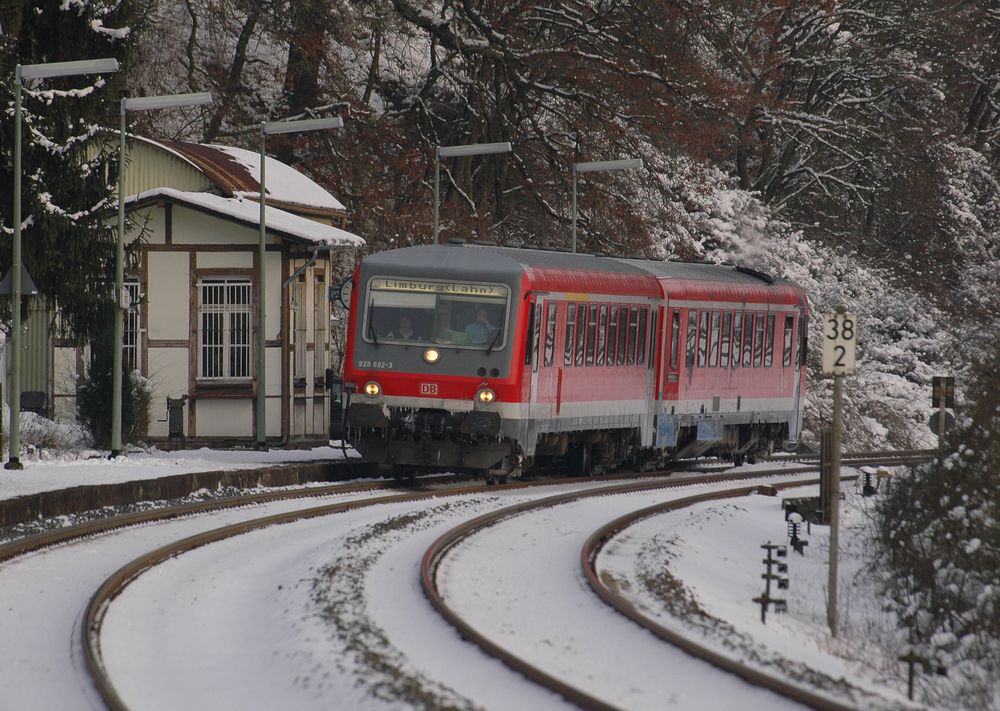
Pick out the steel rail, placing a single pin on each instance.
(116, 583)
(588, 560)
(120, 579)
(440, 548)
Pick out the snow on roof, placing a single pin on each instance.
(284, 183)
(247, 211)
(236, 171)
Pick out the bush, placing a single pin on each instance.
(94, 396)
(939, 557)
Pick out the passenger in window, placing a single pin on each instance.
(405, 330)
(481, 331)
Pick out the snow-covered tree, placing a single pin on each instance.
(68, 179)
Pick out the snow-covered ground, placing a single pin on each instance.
(48, 470)
(314, 602)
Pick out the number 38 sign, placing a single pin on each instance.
(840, 340)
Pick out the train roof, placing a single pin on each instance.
(512, 260)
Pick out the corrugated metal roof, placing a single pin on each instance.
(226, 172)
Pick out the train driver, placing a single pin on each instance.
(405, 330)
(481, 331)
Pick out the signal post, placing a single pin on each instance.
(840, 340)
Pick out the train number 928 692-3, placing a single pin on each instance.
(375, 364)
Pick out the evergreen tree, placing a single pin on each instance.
(68, 188)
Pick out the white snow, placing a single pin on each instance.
(49, 471)
(249, 212)
(283, 182)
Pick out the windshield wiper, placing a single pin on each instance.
(371, 323)
(496, 339)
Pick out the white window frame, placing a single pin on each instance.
(132, 327)
(233, 359)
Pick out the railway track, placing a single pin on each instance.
(788, 688)
(428, 488)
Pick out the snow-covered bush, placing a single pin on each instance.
(41, 432)
(938, 531)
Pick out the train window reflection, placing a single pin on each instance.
(401, 311)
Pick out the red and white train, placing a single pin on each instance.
(473, 357)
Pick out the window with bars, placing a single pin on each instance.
(132, 329)
(224, 329)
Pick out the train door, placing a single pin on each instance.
(666, 431)
(545, 373)
(652, 371)
(795, 426)
(531, 354)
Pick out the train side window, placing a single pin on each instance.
(702, 339)
(602, 333)
(747, 340)
(622, 333)
(570, 334)
(529, 336)
(550, 333)
(591, 334)
(612, 334)
(758, 340)
(581, 332)
(675, 336)
(713, 348)
(769, 342)
(536, 335)
(652, 337)
(737, 338)
(803, 339)
(727, 326)
(640, 356)
(786, 343)
(633, 328)
(692, 338)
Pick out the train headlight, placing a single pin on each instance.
(432, 355)
(372, 389)
(485, 395)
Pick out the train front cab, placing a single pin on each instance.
(441, 394)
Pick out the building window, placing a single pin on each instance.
(321, 324)
(224, 329)
(132, 328)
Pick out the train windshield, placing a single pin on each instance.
(459, 314)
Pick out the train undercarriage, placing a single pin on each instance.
(404, 442)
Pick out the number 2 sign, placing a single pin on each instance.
(840, 340)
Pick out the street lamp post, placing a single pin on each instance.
(469, 149)
(144, 103)
(266, 129)
(23, 73)
(594, 167)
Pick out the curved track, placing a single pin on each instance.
(436, 555)
(90, 625)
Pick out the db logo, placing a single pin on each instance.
(428, 389)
